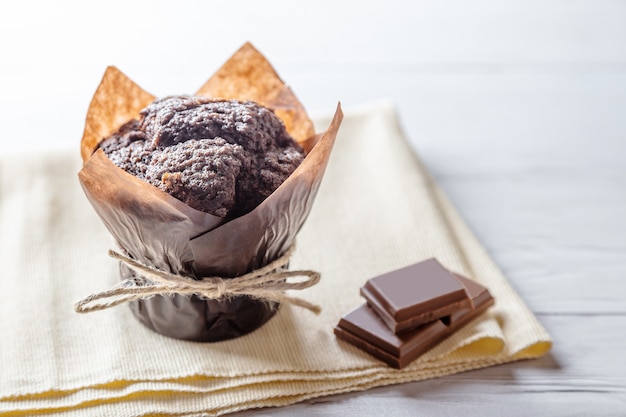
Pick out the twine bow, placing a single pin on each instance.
(266, 283)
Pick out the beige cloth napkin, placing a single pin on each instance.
(377, 210)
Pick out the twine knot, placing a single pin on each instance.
(266, 283)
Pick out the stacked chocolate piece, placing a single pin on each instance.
(410, 310)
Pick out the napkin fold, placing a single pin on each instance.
(378, 209)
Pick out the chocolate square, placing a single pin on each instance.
(417, 294)
(364, 329)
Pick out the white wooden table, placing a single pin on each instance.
(518, 108)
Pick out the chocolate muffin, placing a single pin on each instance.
(220, 157)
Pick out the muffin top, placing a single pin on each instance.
(220, 157)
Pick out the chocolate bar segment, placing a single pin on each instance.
(481, 298)
(364, 329)
(415, 295)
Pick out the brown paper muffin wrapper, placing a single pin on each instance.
(160, 231)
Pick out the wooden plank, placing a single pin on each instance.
(583, 376)
(560, 242)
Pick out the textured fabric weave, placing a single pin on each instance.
(377, 210)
